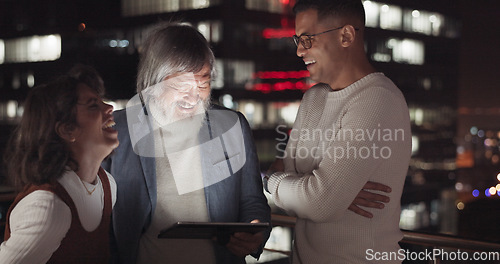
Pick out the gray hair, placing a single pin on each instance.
(171, 48)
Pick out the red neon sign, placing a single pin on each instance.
(281, 86)
(269, 33)
(281, 74)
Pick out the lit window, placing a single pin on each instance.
(383, 15)
(409, 51)
(372, 13)
(198, 4)
(271, 6)
(436, 24)
(218, 81)
(390, 17)
(136, 8)
(2, 51)
(237, 72)
(401, 51)
(380, 15)
(289, 112)
(204, 29)
(211, 30)
(423, 22)
(30, 79)
(414, 145)
(11, 108)
(33, 49)
(253, 111)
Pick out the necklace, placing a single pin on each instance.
(88, 191)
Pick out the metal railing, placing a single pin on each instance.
(435, 241)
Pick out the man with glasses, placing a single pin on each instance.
(366, 137)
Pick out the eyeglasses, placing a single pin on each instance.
(305, 40)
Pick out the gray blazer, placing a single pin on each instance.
(237, 197)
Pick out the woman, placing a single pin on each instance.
(62, 214)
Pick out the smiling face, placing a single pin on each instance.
(94, 132)
(325, 58)
(182, 95)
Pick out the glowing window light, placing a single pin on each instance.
(204, 29)
(30, 80)
(249, 109)
(475, 193)
(33, 49)
(227, 101)
(372, 13)
(391, 17)
(199, 4)
(11, 109)
(2, 51)
(289, 112)
(415, 144)
(135, 8)
(419, 116)
(409, 51)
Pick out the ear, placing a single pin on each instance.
(66, 132)
(348, 35)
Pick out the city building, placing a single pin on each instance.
(415, 43)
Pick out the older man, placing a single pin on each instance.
(182, 159)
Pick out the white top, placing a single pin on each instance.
(40, 221)
(340, 140)
(177, 203)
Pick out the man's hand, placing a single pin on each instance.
(242, 244)
(369, 199)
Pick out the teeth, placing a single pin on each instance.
(109, 124)
(187, 106)
(310, 62)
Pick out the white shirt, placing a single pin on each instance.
(40, 221)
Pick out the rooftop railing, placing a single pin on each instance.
(434, 241)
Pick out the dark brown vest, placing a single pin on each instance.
(78, 246)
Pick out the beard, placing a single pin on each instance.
(170, 116)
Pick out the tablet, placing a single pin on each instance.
(209, 230)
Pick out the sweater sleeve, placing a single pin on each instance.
(325, 193)
(38, 224)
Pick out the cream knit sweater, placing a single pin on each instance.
(340, 140)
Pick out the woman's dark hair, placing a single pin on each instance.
(35, 153)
